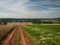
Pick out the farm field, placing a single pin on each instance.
(42, 34)
(34, 34)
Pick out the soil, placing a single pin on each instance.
(24, 40)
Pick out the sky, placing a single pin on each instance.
(29, 8)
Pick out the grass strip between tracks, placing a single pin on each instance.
(16, 39)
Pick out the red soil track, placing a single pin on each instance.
(24, 40)
(8, 40)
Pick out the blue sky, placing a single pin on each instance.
(29, 8)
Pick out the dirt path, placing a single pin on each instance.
(8, 40)
(24, 40)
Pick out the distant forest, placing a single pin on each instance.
(45, 20)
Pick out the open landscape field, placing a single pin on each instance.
(30, 34)
(29, 22)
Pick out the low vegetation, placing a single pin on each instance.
(43, 34)
(16, 40)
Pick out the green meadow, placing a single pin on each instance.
(42, 34)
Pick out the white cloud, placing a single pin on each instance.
(19, 11)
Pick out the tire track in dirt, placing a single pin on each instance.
(8, 40)
(24, 40)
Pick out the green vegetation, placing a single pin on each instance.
(43, 34)
(16, 40)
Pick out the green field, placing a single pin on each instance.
(42, 34)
